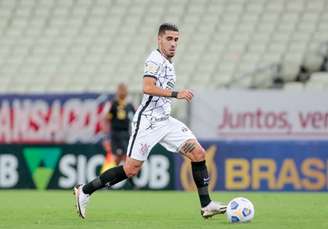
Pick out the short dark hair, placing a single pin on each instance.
(167, 26)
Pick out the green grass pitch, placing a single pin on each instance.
(157, 210)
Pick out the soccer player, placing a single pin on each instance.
(153, 124)
(117, 123)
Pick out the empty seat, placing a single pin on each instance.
(312, 61)
(314, 86)
(320, 77)
(289, 70)
(293, 86)
(56, 42)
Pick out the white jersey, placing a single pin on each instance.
(152, 122)
(157, 108)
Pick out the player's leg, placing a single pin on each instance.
(181, 139)
(140, 144)
(120, 142)
(195, 152)
(110, 177)
(117, 150)
(83, 192)
(116, 153)
(113, 176)
(124, 142)
(123, 145)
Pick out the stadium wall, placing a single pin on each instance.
(52, 142)
(61, 166)
(233, 166)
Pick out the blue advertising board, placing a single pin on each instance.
(261, 166)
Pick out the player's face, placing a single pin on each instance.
(167, 43)
(122, 91)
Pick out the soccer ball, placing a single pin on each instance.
(240, 210)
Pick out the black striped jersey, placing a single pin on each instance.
(156, 107)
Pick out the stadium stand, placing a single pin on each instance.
(318, 80)
(91, 45)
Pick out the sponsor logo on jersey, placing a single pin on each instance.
(151, 68)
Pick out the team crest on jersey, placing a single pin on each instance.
(144, 148)
(151, 68)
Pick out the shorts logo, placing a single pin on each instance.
(144, 148)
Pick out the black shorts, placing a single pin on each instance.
(120, 141)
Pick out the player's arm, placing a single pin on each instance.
(107, 121)
(150, 88)
(106, 128)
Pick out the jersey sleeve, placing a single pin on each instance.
(151, 69)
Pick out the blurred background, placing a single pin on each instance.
(258, 69)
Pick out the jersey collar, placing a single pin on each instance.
(163, 56)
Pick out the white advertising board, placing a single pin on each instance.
(253, 115)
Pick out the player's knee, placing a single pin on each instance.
(193, 150)
(198, 154)
(132, 170)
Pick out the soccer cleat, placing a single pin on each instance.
(81, 200)
(213, 208)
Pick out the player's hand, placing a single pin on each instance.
(185, 94)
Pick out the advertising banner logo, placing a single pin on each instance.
(260, 115)
(63, 166)
(52, 118)
(42, 163)
(266, 166)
